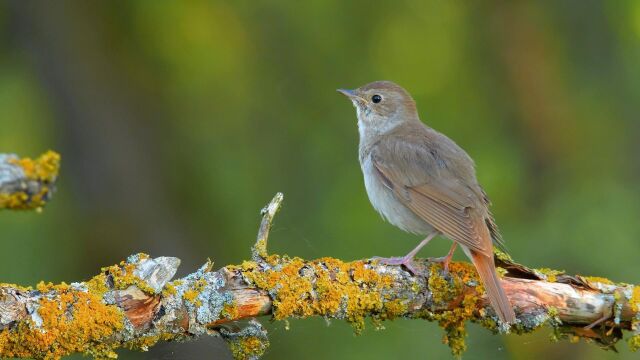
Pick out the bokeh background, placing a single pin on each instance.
(178, 120)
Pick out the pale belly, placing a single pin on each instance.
(386, 203)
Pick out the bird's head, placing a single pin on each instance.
(382, 105)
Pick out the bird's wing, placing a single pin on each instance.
(496, 236)
(426, 179)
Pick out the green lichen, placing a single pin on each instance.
(634, 303)
(597, 279)
(634, 343)
(260, 248)
(549, 275)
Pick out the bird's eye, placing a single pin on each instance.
(376, 98)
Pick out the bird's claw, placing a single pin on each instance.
(445, 260)
(398, 261)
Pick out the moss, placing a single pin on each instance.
(71, 321)
(43, 170)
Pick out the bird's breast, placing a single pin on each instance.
(386, 203)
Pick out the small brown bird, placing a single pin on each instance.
(424, 183)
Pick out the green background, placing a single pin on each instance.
(177, 121)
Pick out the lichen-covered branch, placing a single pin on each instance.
(26, 183)
(135, 304)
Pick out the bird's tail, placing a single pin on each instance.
(498, 299)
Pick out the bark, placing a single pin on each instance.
(135, 304)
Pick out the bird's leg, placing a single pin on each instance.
(445, 260)
(597, 322)
(407, 260)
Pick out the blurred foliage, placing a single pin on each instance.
(178, 121)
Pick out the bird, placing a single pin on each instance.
(422, 182)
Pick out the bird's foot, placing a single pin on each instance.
(445, 260)
(405, 261)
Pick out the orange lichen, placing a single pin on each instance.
(143, 343)
(393, 309)
(634, 343)
(249, 347)
(192, 294)
(322, 287)
(44, 170)
(168, 290)
(71, 321)
(229, 311)
(463, 288)
(123, 276)
(634, 303)
(98, 284)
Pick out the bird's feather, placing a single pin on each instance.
(425, 179)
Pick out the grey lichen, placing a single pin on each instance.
(203, 295)
(249, 343)
(9, 172)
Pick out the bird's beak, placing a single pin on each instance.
(348, 93)
(351, 94)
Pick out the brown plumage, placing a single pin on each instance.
(424, 183)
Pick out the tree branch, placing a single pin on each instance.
(134, 304)
(26, 183)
